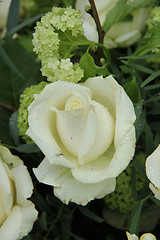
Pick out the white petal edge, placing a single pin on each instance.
(106, 166)
(67, 188)
(153, 167)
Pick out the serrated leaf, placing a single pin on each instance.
(89, 67)
(11, 84)
(122, 9)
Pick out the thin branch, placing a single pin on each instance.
(95, 16)
(8, 107)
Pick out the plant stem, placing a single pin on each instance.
(101, 33)
(8, 107)
(95, 16)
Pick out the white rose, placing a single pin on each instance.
(87, 135)
(121, 34)
(17, 214)
(153, 171)
(145, 236)
(4, 9)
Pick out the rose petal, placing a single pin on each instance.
(70, 126)
(5, 189)
(11, 228)
(23, 184)
(153, 167)
(96, 139)
(110, 164)
(69, 189)
(53, 95)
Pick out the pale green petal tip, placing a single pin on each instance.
(26, 99)
(122, 198)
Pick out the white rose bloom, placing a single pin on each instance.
(153, 171)
(87, 135)
(145, 236)
(121, 34)
(4, 9)
(17, 214)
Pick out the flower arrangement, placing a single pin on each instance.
(79, 120)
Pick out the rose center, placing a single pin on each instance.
(74, 102)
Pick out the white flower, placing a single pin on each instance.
(153, 171)
(145, 236)
(121, 34)
(4, 9)
(87, 135)
(17, 214)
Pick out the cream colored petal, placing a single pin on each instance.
(153, 167)
(70, 126)
(90, 31)
(125, 115)
(42, 120)
(108, 166)
(19, 223)
(98, 134)
(139, 19)
(69, 189)
(131, 236)
(9, 158)
(128, 39)
(23, 184)
(11, 228)
(103, 91)
(147, 236)
(5, 189)
(119, 29)
(29, 215)
(4, 9)
(156, 191)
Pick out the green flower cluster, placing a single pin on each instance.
(122, 198)
(47, 39)
(154, 16)
(26, 99)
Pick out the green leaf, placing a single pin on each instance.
(13, 15)
(122, 9)
(149, 143)
(11, 84)
(149, 218)
(28, 148)
(5, 136)
(89, 67)
(89, 214)
(18, 27)
(135, 218)
(132, 90)
(140, 119)
(43, 222)
(151, 78)
(9, 62)
(13, 128)
(115, 14)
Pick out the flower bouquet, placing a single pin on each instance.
(79, 120)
